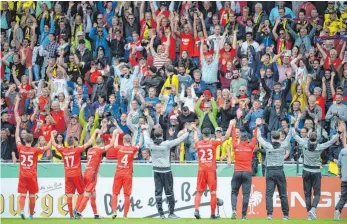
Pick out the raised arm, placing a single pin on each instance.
(18, 141)
(147, 139)
(177, 141)
(327, 144)
(321, 50)
(262, 141)
(92, 139)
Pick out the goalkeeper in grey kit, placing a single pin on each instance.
(311, 175)
(160, 151)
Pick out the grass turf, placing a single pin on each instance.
(159, 221)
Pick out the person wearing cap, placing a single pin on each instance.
(243, 168)
(80, 35)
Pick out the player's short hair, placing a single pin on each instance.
(275, 135)
(126, 138)
(28, 138)
(70, 141)
(100, 141)
(206, 132)
(243, 136)
(313, 137)
(158, 133)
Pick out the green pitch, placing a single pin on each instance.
(159, 221)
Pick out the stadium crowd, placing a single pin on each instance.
(74, 67)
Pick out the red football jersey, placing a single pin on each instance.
(207, 154)
(28, 160)
(72, 160)
(187, 43)
(94, 157)
(125, 159)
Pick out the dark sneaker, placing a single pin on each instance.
(78, 215)
(97, 217)
(114, 215)
(197, 214)
(214, 217)
(22, 216)
(233, 215)
(173, 216)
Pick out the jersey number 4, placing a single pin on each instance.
(206, 155)
(124, 160)
(27, 161)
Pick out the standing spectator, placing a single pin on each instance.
(209, 69)
(207, 116)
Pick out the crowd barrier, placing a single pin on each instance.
(51, 201)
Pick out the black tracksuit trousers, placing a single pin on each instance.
(311, 180)
(275, 177)
(244, 179)
(164, 181)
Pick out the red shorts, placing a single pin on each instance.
(122, 181)
(74, 183)
(90, 183)
(26, 184)
(206, 178)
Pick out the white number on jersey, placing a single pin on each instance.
(203, 155)
(69, 161)
(28, 159)
(88, 159)
(124, 160)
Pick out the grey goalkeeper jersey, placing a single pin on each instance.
(161, 152)
(274, 155)
(343, 164)
(312, 161)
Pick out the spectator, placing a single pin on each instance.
(207, 116)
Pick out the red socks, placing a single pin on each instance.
(197, 200)
(22, 202)
(69, 205)
(32, 201)
(79, 200)
(83, 204)
(93, 204)
(213, 203)
(126, 205)
(114, 202)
